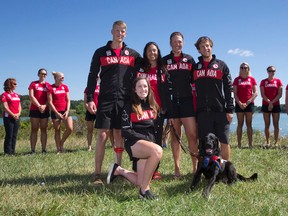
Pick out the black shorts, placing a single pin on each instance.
(182, 108)
(54, 116)
(249, 108)
(89, 116)
(213, 122)
(109, 114)
(276, 109)
(38, 114)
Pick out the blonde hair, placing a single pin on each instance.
(245, 63)
(119, 23)
(57, 74)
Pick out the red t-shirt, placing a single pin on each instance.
(152, 77)
(13, 101)
(40, 93)
(244, 87)
(59, 96)
(96, 94)
(271, 89)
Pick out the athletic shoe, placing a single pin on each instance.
(44, 152)
(156, 176)
(97, 179)
(111, 176)
(148, 195)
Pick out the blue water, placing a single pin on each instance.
(257, 123)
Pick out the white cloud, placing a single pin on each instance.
(240, 52)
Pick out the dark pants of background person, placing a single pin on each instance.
(11, 129)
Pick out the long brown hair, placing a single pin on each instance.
(136, 102)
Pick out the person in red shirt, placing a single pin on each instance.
(245, 92)
(39, 110)
(11, 115)
(90, 117)
(59, 102)
(271, 92)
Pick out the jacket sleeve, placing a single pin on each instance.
(93, 75)
(127, 128)
(228, 89)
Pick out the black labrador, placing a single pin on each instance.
(213, 167)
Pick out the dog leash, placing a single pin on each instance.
(183, 146)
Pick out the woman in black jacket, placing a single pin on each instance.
(138, 130)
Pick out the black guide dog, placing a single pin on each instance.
(213, 167)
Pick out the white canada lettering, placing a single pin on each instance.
(172, 67)
(271, 85)
(124, 60)
(184, 66)
(211, 73)
(112, 60)
(59, 91)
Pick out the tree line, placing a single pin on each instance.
(77, 107)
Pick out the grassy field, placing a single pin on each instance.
(60, 184)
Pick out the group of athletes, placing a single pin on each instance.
(130, 96)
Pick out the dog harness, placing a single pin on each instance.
(220, 163)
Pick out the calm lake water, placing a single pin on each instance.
(258, 123)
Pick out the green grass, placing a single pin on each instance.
(67, 189)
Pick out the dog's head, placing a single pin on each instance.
(209, 145)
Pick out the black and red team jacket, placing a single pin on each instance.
(135, 127)
(115, 72)
(213, 86)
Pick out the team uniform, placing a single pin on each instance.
(244, 92)
(159, 84)
(135, 128)
(213, 87)
(59, 94)
(88, 115)
(11, 125)
(271, 91)
(180, 71)
(40, 93)
(115, 72)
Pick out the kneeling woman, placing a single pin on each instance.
(59, 101)
(138, 131)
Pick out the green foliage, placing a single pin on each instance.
(67, 189)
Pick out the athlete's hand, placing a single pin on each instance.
(91, 107)
(229, 117)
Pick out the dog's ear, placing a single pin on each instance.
(216, 144)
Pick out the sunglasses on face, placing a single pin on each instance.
(271, 71)
(43, 74)
(15, 84)
(244, 68)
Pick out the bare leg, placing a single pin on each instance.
(266, 117)
(225, 151)
(240, 120)
(90, 126)
(276, 117)
(100, 149)
(249, 116)
(57, 124)
(34, 132)
(68, 130)
(191, 134)
(118, 144)
(175, 146)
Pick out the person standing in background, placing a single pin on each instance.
(11, 115)
(59, 102)
(271, 92)
(90, 117)
(245, 92)
(214, 88)
(115, 64)
(179, 66)
(39, 110)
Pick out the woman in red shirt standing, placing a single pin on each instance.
(245, 92)
(59, 101)
(39, 110)
(11, 115)
(271, 92)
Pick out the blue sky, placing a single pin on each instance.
(62, 35)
